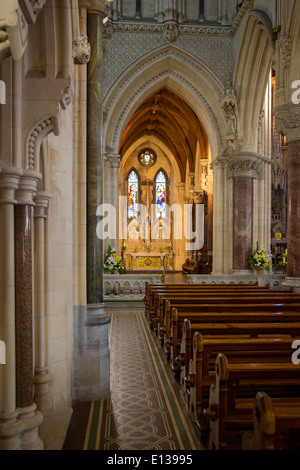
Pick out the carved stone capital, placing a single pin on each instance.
(244, 165)
(219, 162)
(113, 160)
(198, 196)
(81, 50)
(9, 183)
(41, 201)
(28, 187)
(287, 121)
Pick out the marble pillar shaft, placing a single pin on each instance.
(242, 222)
(293, 230)
(24, 339)
(94, 160)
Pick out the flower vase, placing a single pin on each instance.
(259, 270)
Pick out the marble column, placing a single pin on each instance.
(243, 169)
(293, 228)
(242, 222)
(287, 122)
(29, 415)
(42, 377)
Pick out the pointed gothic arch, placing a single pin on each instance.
(178, 71)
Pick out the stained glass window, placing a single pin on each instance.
(133, 191)
(147, 157)
(160, 195)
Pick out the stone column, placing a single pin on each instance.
(243, 168)
(94, 153)
(91, 367)
(30, 417)
(113, 165)
(287, 122)
(42, 395)
(11, 427)
(218, 216)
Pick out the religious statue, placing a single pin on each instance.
(231, 118)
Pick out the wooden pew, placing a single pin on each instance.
(163, 316)
(152, 303)
(239, 349)
(236, 385)
(158, 307)
(228, 313)
(152, 289)
(275, 426)
(188, 349)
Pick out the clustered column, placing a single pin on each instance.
(244, 168)
(30, 417)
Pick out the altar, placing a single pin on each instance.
(155, 255)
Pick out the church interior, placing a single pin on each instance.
(149, 220)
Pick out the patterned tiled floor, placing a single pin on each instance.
(143, 412)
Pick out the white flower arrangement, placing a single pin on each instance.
(113, 262)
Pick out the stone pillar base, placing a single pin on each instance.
(11, 429)
(92, 357)
(32, 419)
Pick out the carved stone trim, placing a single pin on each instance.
(246, 6)
(286, 43)
(244, 165)
(138, 27)
(81, 50)
(35, 136)
(68, 94)
(171, 32)
(287, 121)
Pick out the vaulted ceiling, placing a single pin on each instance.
(167, 117)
